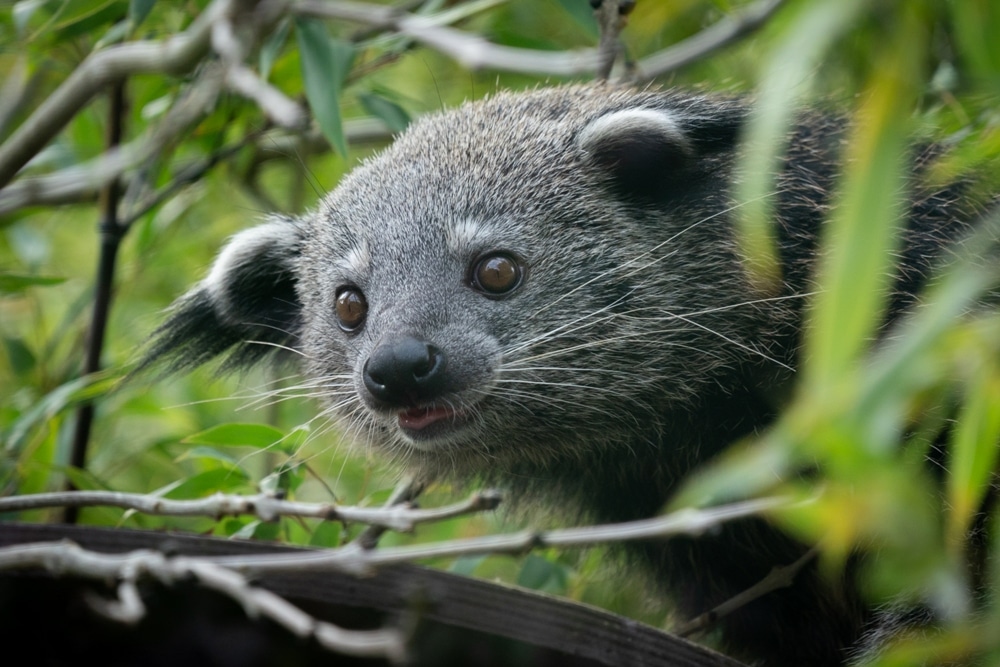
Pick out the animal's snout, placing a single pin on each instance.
(405, 371)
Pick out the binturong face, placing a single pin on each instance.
(475, 298)
(526, 279)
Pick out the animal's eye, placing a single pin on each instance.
(351, 308)
(496, 274)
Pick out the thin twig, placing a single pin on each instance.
(611, 18)
(709, 40)
(241, 79)
(405, 493)
(776, 579)
(83, 179)
(176, 54)
(471, 51)
(74, 185)
(400, 517)
(353, 559)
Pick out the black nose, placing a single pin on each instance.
(405, 371)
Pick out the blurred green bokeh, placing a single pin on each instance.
(862, 418)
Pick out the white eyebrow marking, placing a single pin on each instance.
(358, 259)
(466, 236)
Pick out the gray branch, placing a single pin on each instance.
(401, 517)
(697, 47)
(175, 55)
(66, 558)
(354, 559)
(470, 50)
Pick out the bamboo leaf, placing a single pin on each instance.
(325, 63)
(260, 436)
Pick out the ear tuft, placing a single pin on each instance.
(247, 305)
(642, 151)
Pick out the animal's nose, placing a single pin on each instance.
(405, 371)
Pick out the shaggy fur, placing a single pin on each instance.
(632, 348)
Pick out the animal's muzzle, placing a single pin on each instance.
(405, 371)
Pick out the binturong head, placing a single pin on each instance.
(531, 278)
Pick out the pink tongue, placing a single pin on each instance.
(419, 418)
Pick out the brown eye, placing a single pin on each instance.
(351, 308)
(496, 274)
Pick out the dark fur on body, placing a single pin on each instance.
(634, 348)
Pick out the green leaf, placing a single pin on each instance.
(138, 10)
(285, 480)
(217, 480)
(863, 230)
(247, 531)
(787, 79)
(327, 534)
(85, 480)
(581, 13)
(467, 565)
(260, 436)
(22, 13)
(325, 63)
(212, 458)
(390, 113)
(272, 47)
(92, 15)
(974, 450)
(61, 398)
(539, 574)
(20, 356)
(14, 284)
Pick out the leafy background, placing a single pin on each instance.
(863, 420)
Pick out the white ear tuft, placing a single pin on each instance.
(643, 154)
(630, 125)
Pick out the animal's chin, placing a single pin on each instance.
(432, 426)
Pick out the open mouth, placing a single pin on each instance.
(418, 419)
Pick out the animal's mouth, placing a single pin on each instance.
(422, 418)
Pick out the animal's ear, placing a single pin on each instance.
(247, 306)
(653, 154)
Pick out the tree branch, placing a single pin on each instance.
(776, 579)
(89, 177)
(176, 54)
(66, 558)
(405, 493)
(399, 517)
(353, 559)
(611, 18)
(471, 51)
(696, 47)
(110, 233)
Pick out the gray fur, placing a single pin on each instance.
(508, 174)
(633, 348)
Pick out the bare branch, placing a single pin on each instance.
(87, 178)
(611, 18)
(241, 79)
(405, 493)
(471, 51)
(66, 558)
(219, 572)
(353, 559)
(400, 517)
(696, 47)
(176, 54)
(80, 184)
(776, 579)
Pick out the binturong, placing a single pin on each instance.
(544, 291)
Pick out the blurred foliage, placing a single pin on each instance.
(862, 421)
